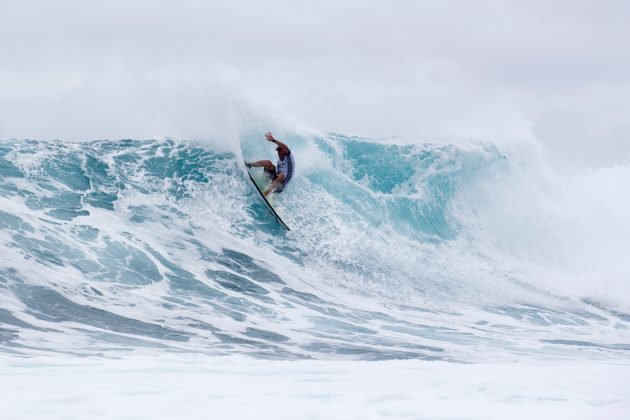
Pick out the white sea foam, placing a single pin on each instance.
(195, 387)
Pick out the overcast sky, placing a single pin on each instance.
(558, 71)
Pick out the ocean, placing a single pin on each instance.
(414, 257)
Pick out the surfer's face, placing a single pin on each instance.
(281, 154)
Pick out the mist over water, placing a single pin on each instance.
(454, 251)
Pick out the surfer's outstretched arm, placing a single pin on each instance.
(281, 145)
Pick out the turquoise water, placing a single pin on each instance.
(111, 247)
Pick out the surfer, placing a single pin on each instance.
(281, 173)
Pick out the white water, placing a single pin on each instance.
(195, 387)
(150, 259)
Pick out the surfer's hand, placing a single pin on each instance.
(269, 136)
(249, 165)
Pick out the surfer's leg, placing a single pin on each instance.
(266, 164)
(261, 164)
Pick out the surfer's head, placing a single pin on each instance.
(281, 153)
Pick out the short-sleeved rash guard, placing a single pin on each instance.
(286, 166)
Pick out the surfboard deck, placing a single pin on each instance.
(259, 188)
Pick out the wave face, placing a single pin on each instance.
(431, 251)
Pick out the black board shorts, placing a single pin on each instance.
(272, 175)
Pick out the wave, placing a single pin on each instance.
(432, 251)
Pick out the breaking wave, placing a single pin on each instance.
(432, 251)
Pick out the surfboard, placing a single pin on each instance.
(259, 184)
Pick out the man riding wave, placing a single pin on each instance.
(282, 172)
